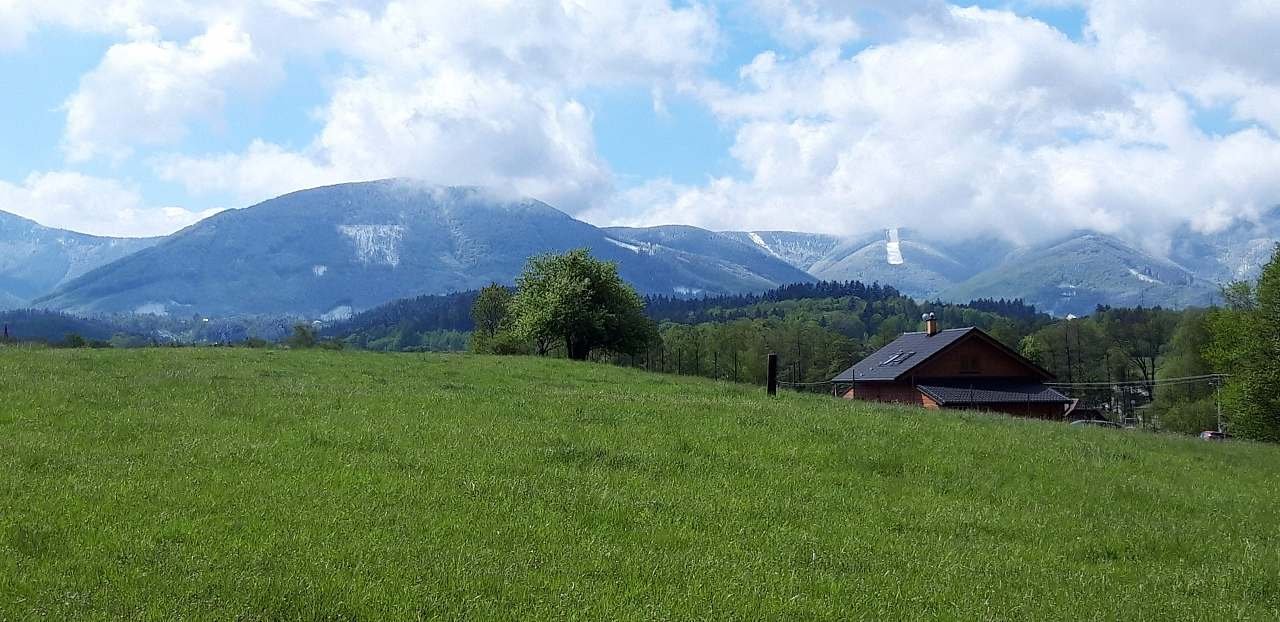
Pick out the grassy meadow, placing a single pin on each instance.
(224, 484)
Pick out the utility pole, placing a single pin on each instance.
(1066, 344)
(1217, 398)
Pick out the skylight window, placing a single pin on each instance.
(897, 359)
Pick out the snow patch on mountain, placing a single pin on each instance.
(152, 308)
(319, 270)
(755, 237)
(338, 313)
(1144, 278)
(375, 244)
(631, 247)
(893, 248)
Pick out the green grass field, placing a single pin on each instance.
(260, 485)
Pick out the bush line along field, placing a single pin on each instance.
(266, 484)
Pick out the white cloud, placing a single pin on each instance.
(148, 92)
(974, 120)
(263, 170)
(955, 119)
(94, 205)
(475, 94)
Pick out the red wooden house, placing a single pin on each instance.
(961, 368)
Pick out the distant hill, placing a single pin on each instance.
(1068, 275)
(914, 267)
(402, 324)
(330, 252)
(721, 252)
(35, 259)
(52, 326)
(1235, 253)
(334, 250)
(801, 250)
(1075, 274)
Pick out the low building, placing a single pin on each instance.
(959, 368)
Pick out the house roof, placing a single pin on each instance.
(982, 391)
(901, 355)
(912, 349)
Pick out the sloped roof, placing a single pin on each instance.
(912, 349)
(980, 391)
(901, 355)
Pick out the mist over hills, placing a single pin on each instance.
(330, 251)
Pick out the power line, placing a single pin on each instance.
(1144, 383)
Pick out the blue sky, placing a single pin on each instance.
(836, 116)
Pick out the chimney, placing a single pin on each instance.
(930, 324)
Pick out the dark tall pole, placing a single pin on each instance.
(772, 385)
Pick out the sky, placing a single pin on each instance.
(1024, 118)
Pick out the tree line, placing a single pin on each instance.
(819, 329)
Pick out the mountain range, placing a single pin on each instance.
(327, 252)
(35, 260)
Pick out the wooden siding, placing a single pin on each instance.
(890, 393)
(907, 395)
(974, 358)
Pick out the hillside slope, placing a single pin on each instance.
(1236, 253)
(722, 250)
(328, 251)
(1075, 274)
(336, 485)
(801, 250)
(35, 259)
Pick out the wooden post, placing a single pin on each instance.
(772, 385)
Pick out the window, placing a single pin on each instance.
(897, 359)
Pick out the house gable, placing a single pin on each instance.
(977, 356)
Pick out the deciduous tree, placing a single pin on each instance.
(582, 303)
(1245, 343)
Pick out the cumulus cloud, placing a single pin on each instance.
(94, 205)
(974, 120)
(147, 92)
(475, 94)
(946, 118)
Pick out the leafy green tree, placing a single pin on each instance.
(1035, 349)
(1187, 407)
(1140, 335)
(408, 340)
(1246, 344)
(489, 312)
(1184, 357)
(581, 303)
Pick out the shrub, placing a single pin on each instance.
(304, 336)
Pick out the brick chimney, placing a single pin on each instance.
(930, 324)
